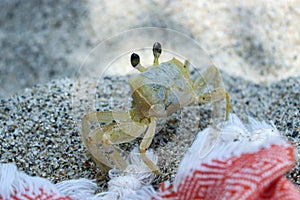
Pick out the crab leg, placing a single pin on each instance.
(120, 133)
(217, 94)
(201, 82)
(106, 116)
(120, 128)
(146, 142)
(98, 156)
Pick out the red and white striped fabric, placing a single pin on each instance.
(256, 175)
(245, 162)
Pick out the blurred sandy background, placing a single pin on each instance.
(45, 40)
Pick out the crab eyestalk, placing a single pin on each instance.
(135, 62)
(134, 59)
(156, 52)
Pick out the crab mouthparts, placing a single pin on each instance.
(158, 110)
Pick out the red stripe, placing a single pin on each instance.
(243, 177)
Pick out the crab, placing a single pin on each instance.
(157, 91)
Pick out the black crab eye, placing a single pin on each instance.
(156, 49)
(134, 59)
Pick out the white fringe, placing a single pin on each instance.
(134, 182)
(78, 189)
(13, 181)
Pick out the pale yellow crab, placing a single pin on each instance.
(158, 91)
